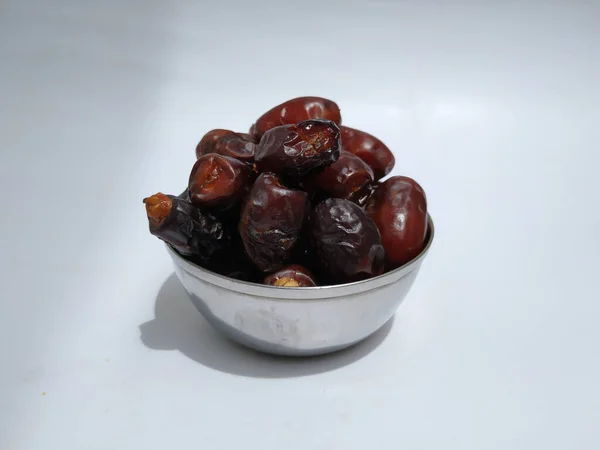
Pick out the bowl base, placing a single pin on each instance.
(264, 346)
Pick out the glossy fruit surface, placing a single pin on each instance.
(271, 222)
(294, 111)
(345, 240)
(208, 141)
(218, 181)
(370, 149)
(399, 209)
(299, 149)
(191, 231)
(225, 142)
(348, 178)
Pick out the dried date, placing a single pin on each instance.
(218, 181)
(345, 240)
(370, 149)
(349, 178)
(240, 146)
(192, 232)
(399, 209)
(297, 150)
(271, 222)
(294, 111)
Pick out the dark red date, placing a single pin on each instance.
(209, 140)
(370, 149)
(399, 209)
(238, 145)
(345, 240)
(349, 178)
(218, 181)
(225, 142)
(297, 150)
(291, 276)
(271, 222)
(294, 111)
(192, 232)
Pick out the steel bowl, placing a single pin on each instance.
(297, 321)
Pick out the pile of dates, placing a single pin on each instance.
(299, 201)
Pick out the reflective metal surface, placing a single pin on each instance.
(297, 321)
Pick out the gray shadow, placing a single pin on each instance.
(179, 326)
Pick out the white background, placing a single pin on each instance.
(493, 107)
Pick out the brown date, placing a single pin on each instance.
(294, 111)
(399, 209)
(225, 142)
(271, 222)
(218, 181)
(349, 178)
(370, 149)
(299, 149)
(208, 141)
(291, 276)
(345, 240)
(192, 232)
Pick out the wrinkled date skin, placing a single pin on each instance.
(349, 178)
(297, 150)
(271, 222)
(225, 142)
(218, 181)
(294, 111)
(399, 209)
(370, 149)
(192, 232)
(345, 240)
(291, 276)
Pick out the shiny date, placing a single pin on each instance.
(218, 181)
(399, 209)
(271, 222)
(345, 240)
(227, 143)
(294, 111)
(349, 178)
(370, 149)
(297, 150)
